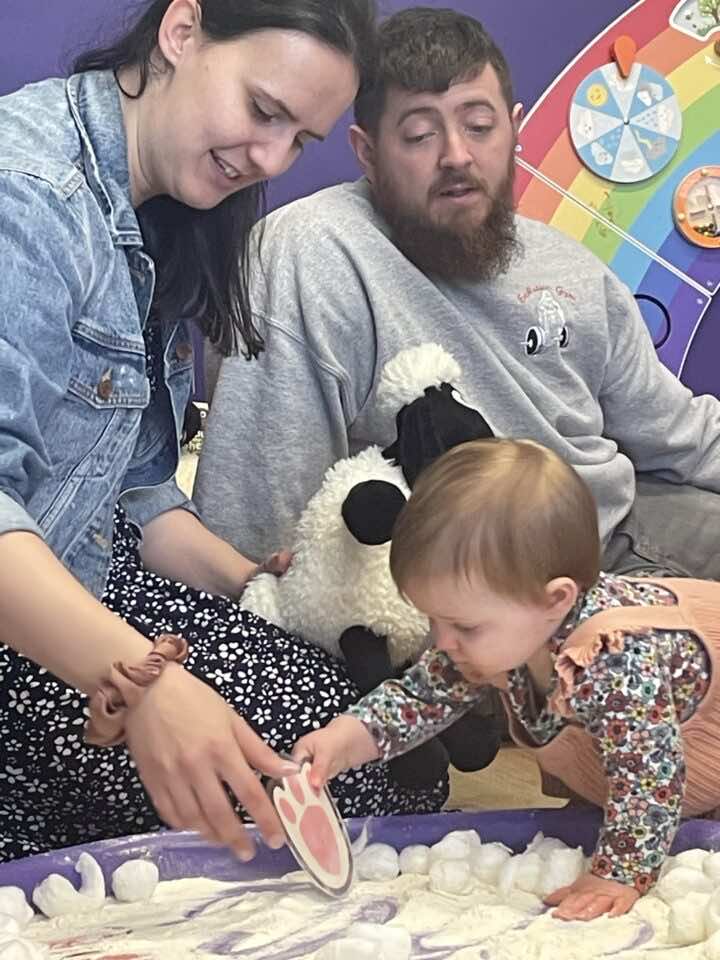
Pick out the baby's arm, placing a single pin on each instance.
(392, 719)
(624, 699)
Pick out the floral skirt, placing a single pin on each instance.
(56, 791)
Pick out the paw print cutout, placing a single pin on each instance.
(314, 830)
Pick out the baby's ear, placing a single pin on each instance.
(561, 593)
(371, 509)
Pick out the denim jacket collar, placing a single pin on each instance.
(94, 99)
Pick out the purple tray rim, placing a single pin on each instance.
(180, 854)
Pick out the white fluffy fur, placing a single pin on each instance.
(407, 375)
(334, 581)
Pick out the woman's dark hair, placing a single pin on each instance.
(202, 256)
(425, 49)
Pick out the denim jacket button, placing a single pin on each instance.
(184, 351)
(105, 386)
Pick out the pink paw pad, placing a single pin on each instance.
(315, 832)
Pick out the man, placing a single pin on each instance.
(427, 247)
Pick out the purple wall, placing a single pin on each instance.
(39, 37)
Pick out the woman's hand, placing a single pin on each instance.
(277, 563)
(188, 744)
(345, 742)
(590, 897)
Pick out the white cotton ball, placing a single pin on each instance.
(487, 862)
(711, 949)
(55, 896)
(92, 881)
(711, 867)
(561, 869)
(134, 881)
(680, 881)
(348, 949)
(686, 923)
(543, 846)
(522, 873)
(454, 846)
(471, 838)
(712, 914)
(16, 948)
(378, 861)
(14, 904)
(694, 859)
(415, 859)
(449, 876)
(9, 926)
(391, 942)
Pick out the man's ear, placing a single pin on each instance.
(516, 117)
(363, 147)
(180, 24)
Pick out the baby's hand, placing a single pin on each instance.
(345, 742)
(590, 897)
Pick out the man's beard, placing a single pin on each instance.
(476, 252)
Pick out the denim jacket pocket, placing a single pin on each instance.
(100, 414)
(108, 370)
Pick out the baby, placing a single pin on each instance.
(610, 682)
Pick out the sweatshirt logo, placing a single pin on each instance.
(550, 327)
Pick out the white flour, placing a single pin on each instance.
(287, 919)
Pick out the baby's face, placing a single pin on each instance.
(483, 633)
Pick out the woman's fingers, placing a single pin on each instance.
(277, 563)
(259, 755)
(220, 816)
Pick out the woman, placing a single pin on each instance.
(127, 195)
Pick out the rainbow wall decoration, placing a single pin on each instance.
(630, 226)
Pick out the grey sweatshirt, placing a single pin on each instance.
(336, 300)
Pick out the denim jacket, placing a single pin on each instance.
(79, 430)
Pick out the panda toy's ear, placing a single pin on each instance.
(370, 511)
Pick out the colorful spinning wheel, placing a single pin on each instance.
(625, 130)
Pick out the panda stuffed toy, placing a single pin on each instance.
(338, 592)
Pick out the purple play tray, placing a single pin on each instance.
(183, 855)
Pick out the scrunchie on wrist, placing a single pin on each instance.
(125, 688)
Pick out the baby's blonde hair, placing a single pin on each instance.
(509, 512)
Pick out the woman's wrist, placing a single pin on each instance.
(125, 686)
(178, 546)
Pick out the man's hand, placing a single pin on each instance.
(590, 897)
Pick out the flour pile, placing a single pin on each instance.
(460, 899)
